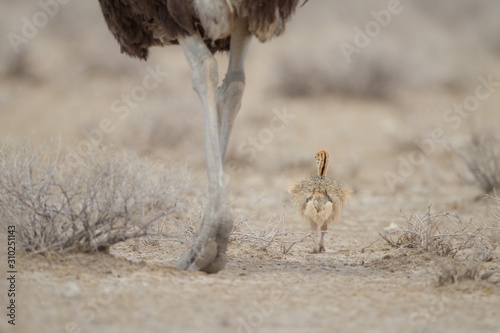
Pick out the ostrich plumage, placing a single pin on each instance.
(140, 24)
(201, 28)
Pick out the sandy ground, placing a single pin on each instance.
(71, 74)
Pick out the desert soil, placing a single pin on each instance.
(69, 82)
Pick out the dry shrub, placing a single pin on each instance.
(444, 234)
(185, 229)
(272, 236)
(450, 272)
(495, 217)
(86, 205)
(482, 158)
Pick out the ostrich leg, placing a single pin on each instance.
(208, 251)
(230, 92)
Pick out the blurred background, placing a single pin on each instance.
(64, 74)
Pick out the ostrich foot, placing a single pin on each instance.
(208, 252)
(208, 260)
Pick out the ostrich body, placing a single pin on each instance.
(320, 199)
(202, 27)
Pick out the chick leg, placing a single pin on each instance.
(314, 235)
(324, 227)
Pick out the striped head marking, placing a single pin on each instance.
(322, 162)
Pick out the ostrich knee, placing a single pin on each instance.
(229, 97)
(206, 78)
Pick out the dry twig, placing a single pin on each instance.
(273, 233)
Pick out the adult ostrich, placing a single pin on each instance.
(201, 28)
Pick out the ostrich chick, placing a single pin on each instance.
(319, 199)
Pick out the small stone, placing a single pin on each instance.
(70, 290)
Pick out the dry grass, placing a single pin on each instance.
(482, 158)
(273, 236)
(444, 234)
(86, 206)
